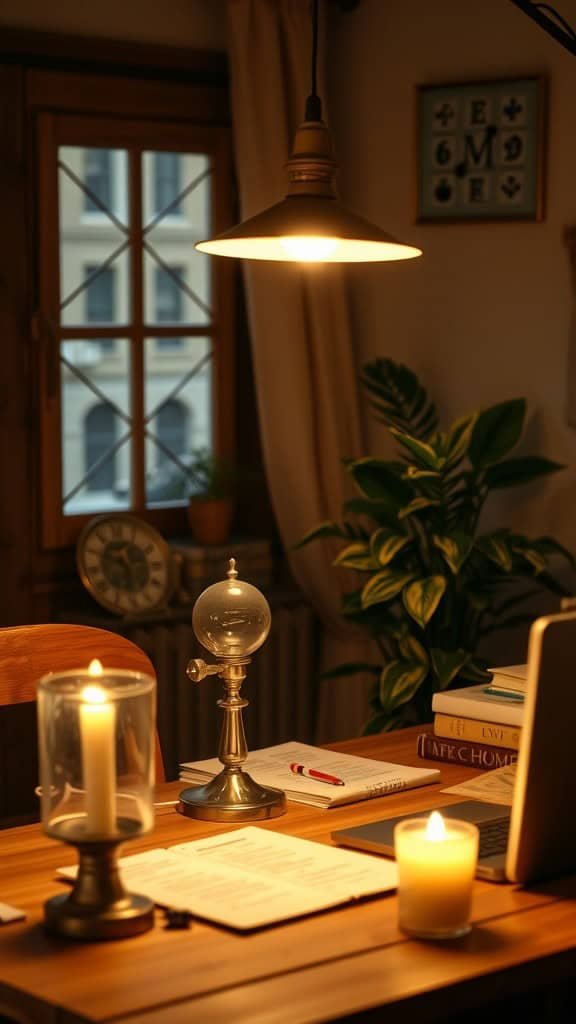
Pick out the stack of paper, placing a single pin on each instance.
(253, 877)
(361, 777)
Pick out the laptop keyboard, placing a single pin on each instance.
(493, 837)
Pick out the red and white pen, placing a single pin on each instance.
(313, 773)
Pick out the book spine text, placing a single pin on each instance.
(476, 731)
(473, 755)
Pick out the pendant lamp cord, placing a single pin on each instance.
(314, 103)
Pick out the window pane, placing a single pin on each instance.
(96, 427)
(178, 411)
(166, 183)
(177, 197)
(183, 299)
(98, 178)
(177, 185)
(94, 258)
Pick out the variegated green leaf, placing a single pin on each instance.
(535, 558)
(458, 438)
(455, 548)
(496, 548)
(412, 473)
(384, 586)
(422, 597)
(399, 682)
(385, 544)
(411, 649)
(424, 454)
(379, 481)
(416, 506)
(325, 529)
(447, 664)
(356, 556)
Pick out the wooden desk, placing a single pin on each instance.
(327, 967)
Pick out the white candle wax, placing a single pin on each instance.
(436, 865)
(97, 733)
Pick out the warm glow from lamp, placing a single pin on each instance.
(308, 248)
(309, 225)
(95, 668)
(435, 828)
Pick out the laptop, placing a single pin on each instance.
(536, 838)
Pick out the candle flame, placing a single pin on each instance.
(435, 828)
(94, 695)
(95, 668)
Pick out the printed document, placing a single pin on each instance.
(253, 877)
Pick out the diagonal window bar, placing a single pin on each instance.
(179, 386)
(96, 391)
(93, 197)
(167, 451)
(92, 277)
(182, 195)
(96, 466)
(182, 284)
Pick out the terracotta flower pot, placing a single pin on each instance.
(210, 519)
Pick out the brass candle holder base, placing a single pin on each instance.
(232, 796)
(98, 906)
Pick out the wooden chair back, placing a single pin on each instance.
(29, 652)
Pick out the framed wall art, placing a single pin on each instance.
(480, 151)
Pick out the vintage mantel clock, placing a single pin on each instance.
(125, 564)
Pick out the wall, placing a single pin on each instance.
(484, 314)
(200, 24)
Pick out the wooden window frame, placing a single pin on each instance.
(147, 114)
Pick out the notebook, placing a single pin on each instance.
(360, 778)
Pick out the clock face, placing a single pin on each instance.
(125, 564)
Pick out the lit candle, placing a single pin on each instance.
(436, 865)
(97, 734)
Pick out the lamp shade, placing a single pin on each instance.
(310, 229)
(309, 225)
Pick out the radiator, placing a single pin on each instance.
(281, 685)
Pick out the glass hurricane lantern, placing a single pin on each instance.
(96, 732)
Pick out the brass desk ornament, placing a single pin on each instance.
(232, 620)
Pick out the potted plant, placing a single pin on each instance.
(427, 583)
(212, 482)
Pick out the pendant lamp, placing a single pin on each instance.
(310, 225)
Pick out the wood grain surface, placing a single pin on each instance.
(29, 652)
(325, 967)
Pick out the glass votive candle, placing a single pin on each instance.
(96, 735)
(436, 864)
(96, 744)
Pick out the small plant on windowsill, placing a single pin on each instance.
(212, 483)
(430, 584)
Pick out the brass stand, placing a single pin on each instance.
(232, 795)
(98, 906)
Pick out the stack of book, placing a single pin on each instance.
(203, 564)
(478, 726)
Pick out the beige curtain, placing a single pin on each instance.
(306, 378)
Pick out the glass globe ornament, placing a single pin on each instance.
(231, 619)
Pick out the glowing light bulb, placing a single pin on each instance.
(309, 248)
(435, 828)
(95, 668)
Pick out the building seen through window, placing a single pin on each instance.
(118, 356)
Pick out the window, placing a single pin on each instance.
(169, 301)
(173, 426)
(100, 298)
(98, 178)
(115, 430)
(167, 184)
(99, 438)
